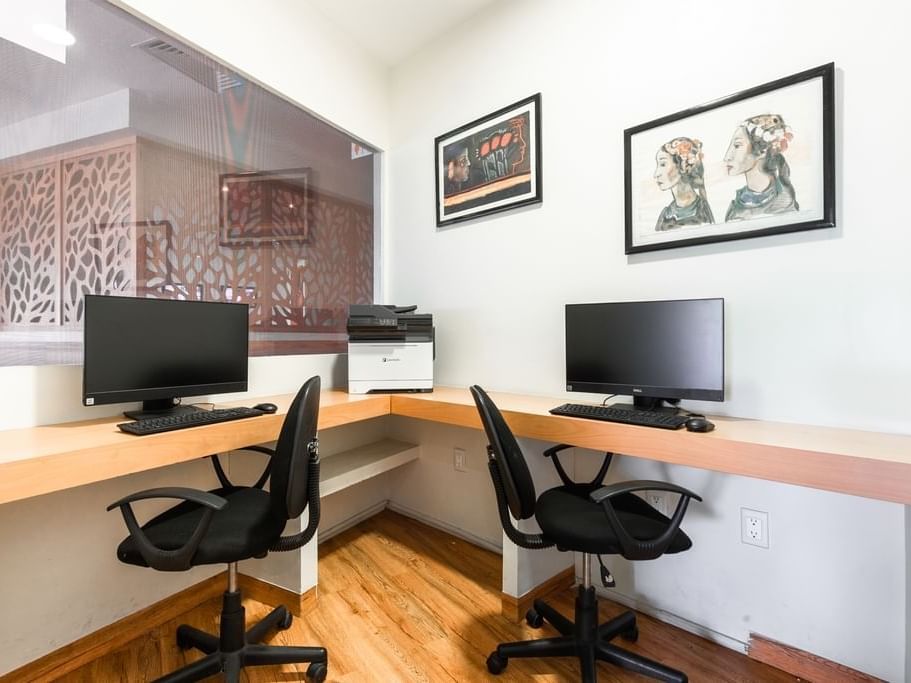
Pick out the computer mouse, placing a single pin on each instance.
(699, 424)
(265, 407)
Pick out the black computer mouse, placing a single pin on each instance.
(699, 424)
(265, 407)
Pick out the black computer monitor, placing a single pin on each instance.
(654, 351)
(158, 350)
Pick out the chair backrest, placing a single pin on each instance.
(288, 486)
(517, 481)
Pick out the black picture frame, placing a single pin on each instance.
(263, 207)
(489, 165)
(686, 167)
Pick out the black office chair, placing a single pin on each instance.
(590, 519)
(236, 523)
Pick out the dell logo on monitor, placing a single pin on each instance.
(637, 391)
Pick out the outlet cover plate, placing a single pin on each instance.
(754, 527)
(459, 460)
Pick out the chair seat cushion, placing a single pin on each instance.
(576, 523)
(244, 528)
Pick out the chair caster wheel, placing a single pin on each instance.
(317, 672)
(496, 663)
(533, 619)
(285, 623)
(631, 635)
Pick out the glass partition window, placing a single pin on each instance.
(132, 164)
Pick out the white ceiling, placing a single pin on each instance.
(391, 30)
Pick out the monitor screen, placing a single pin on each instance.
(145, 349)
(648, 349)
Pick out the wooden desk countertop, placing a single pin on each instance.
(869, 464)
(39, 460)
(51, 458)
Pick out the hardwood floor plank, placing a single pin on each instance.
(400, 601)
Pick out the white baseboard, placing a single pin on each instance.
(673, 619)
(445, 526)
(361, 515)
(354, 520)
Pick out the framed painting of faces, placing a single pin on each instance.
(760, 162)
(491, 164)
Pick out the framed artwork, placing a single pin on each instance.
(759, 162)
(271, 206)
(491, 164)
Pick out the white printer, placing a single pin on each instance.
(390, 348)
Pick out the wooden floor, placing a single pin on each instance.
(400, 601)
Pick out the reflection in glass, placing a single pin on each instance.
(141, 167)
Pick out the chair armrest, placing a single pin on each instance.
(637, 549)
(193, 495)
(263, 478)
(552, 453)
(259, 449)
(553, 450)
(599, 477)
(169, 560)
(612, 490)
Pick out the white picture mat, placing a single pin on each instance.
(801, 107)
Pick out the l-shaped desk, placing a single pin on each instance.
(45, 459)
(39, 460)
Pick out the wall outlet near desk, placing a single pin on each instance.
(754, 527)
(459, 459)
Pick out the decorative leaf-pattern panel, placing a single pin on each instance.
(292, 286)
(144, 219)
(360, 255)
(339, 263)
(181, 190)
(98, 230)
(29, 246)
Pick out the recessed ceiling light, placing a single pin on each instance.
(54, 34)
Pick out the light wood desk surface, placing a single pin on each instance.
(54, 457)
(869, 464)
(51, 458)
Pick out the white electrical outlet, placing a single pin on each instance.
(658, 500)
(754, 527)
(459, 460)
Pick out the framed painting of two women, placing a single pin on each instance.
(756, 163)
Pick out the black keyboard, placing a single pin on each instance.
(645, 418)
(153, 425)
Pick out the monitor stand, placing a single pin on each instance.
(655, 405)
(160, 407)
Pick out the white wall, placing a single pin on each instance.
(817, 322)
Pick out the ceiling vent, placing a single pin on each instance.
(202, 70)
